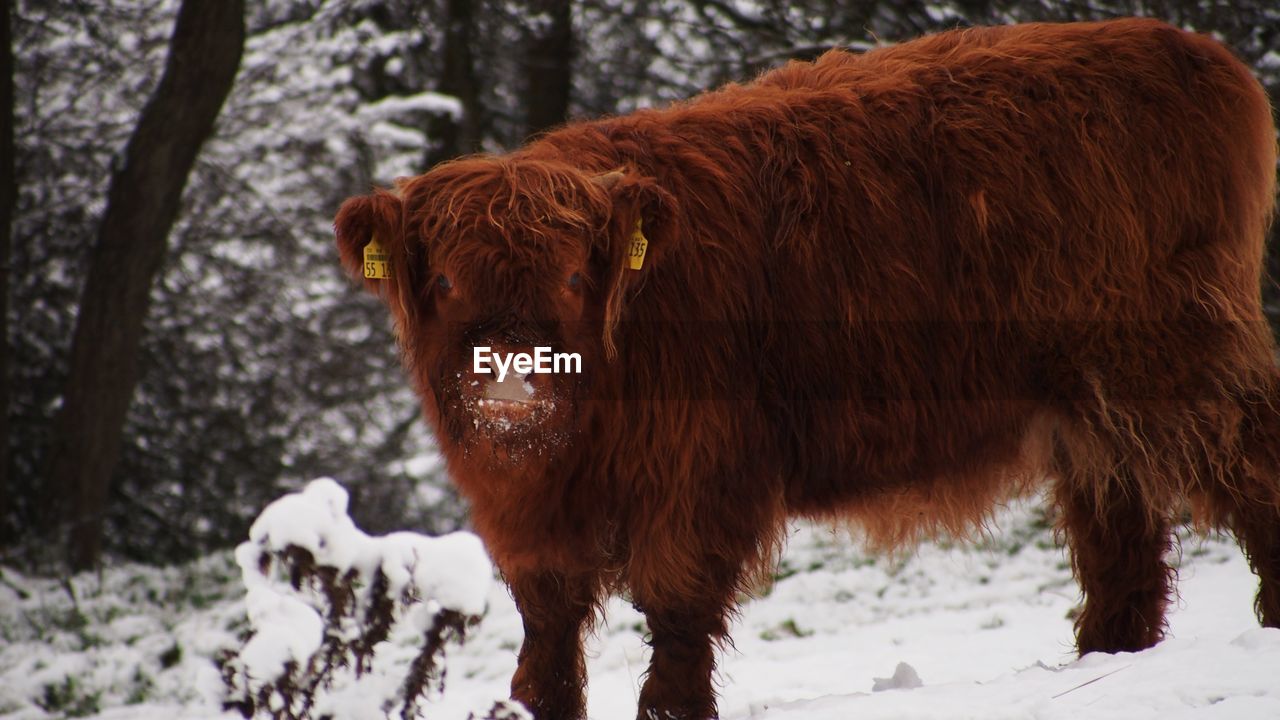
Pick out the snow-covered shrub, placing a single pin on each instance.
(326, 602)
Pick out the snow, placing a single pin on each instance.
(983, 629)
(904, 678)
(399, 105)
(395, 135)
(306, 630)
(287, 630)
(453, 570)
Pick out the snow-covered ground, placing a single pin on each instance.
(985, 627)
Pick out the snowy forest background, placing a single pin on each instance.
(261, 366)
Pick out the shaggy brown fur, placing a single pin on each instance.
(891, 288)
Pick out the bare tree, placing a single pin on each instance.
(457, 136)
(8, 196)
(548, 64)
(142, 203)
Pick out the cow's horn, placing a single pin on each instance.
(607, 180)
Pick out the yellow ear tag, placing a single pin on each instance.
(639, 246)
(377, 264)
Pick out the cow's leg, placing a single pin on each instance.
(684, 633)
(1247, 501)
(1117, 547)
(550, 676)
(688, 591)
(1256, 525)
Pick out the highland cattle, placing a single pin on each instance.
(889, 289)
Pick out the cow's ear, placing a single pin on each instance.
(371, 244)
(642, 229)
(361, 220)
(643, 217)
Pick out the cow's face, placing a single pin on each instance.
(492, 261)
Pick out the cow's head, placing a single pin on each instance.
(508, 254)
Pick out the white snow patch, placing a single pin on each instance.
(287, 630)
(904, 678)
(396, 106)
(452, 570)
(986, 627)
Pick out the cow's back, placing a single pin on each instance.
(1077, 163)
(1010, 217)
(921, 258)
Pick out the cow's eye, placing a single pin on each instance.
(575, 280)
(443, 282)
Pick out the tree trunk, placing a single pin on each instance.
(142, 204)
(8, 197)
(457, 136)
(548, 67)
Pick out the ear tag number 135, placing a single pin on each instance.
(377, 264)
(638, 247)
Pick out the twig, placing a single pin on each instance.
(21, 593)
(71, 592)
(1089, 682)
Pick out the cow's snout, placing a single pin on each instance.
(508, 384)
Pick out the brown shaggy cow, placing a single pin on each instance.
(893, 289)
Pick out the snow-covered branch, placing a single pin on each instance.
(324, 597)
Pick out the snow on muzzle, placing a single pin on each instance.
(510, 386)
